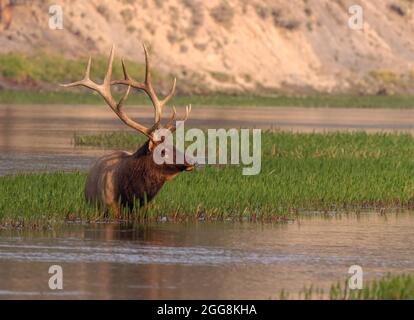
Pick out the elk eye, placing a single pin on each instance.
(163, 154)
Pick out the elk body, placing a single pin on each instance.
(121, 179)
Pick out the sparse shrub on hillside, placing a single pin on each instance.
(131, 29)
(247, 78)
(191, 82)
(397, 9)
(342, 5)
(127, 15)
(244, 4)
(159, 3)
(411, 74)
(308, 11)
(262, 11)
(150, 27)
(283, 22)
(103, 11)
(128, 1)
(290, 24)
(279, 20)
(193, 5)
(197, 16)
(385, 76)
(200, 46)
(174, 14)
(172, 37)
(223, 14)
(222, 77)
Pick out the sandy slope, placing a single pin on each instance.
(295, 45)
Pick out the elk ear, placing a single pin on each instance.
(153, 144)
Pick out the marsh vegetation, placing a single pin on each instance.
(300, 172)
(389, 287)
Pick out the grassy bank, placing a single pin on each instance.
(28, 73)
(53, 69)
(215, 100)
(332, 171)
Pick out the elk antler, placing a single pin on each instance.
(104, 90)
(170, 125)
(147, 87)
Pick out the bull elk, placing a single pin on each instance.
(121, 179)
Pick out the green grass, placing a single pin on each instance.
(330, 171)
(400, 287)
(40, 199)
(213, 100)
(111, 140)
(55, 69)
(390, 287)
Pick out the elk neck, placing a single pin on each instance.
(139, 177)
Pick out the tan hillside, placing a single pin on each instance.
(261, 45)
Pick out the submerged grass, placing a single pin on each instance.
(318, 171)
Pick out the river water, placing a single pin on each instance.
(40, 137)
(204, 260)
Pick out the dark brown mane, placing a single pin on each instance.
(140, 180)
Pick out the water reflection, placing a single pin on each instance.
(205, 260)
(40, 137)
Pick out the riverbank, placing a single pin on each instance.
(217, 100)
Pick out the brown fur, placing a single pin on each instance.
(121, 179)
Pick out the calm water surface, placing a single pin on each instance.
(40, 137)
(203, 260)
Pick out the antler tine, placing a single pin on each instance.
(170, 125)
(187, 112)
(88, 69)
(148, 81)
(86, 81)
(104, 90)
(123, 99)
(150, 89)
(169, 95)
(147, 66)
(108, 75)
(147, 87)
